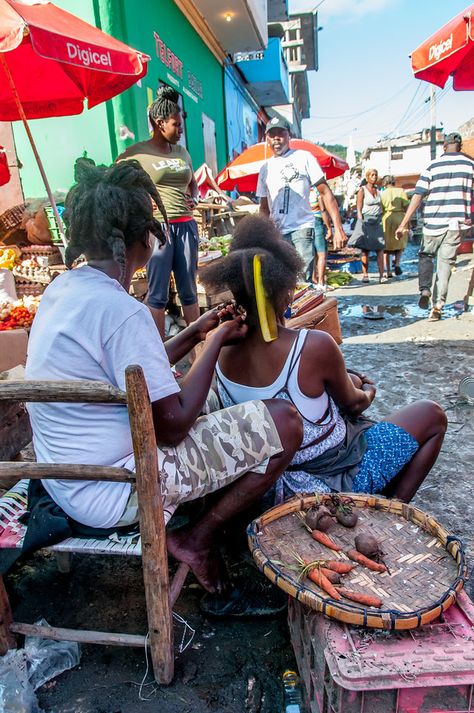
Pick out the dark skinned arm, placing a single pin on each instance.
(330, 203)
(177, 347)
(325, 217)
(264, 207)
(174, 415)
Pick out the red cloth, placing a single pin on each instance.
(4, 169)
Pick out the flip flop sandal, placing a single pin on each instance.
(373, 315)
(365, 278)
(398, 271)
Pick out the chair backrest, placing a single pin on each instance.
(146, 477)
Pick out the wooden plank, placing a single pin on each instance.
(64, 471)
(64, 391)
(82, 636)
(15, 430)
(7, 640)
(178, 581)
(152, 526)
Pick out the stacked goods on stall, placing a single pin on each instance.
(18, 314)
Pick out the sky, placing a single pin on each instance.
(365, 87)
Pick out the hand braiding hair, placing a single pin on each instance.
(165, 105)
(108, 210)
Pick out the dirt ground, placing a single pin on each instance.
(231, 667)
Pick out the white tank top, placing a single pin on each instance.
(313, 408)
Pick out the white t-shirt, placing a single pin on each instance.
(285, 181)
(88, 327)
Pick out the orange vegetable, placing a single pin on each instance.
(339, 567)
(369, 600)
(333, 577)
(325, 540)
(365, 561)
(317, 576)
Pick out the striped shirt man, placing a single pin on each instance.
(447, 187)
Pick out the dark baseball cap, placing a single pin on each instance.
(453, 138)
(277, 123)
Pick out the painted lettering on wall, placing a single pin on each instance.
(194, 84)
(168, 57)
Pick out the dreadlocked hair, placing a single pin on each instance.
(108, 210)
(165, 104)
(280, 264)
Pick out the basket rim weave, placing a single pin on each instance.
(350, 612)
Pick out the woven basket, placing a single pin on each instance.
(427, 566)
(12, 218)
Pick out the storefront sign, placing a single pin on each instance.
(168, 57)
(175, 65)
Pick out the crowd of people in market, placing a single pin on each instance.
(264, 411)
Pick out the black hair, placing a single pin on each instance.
(281, 265)
(109, 209)
(165, 105)
(389, 181)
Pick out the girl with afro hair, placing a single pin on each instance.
(341, 449)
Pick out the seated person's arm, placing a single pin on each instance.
(177, 347)
(337, 382)
(174, 415)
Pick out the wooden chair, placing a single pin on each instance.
(159, 593)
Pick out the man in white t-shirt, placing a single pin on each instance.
(284, 184)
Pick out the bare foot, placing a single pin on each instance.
(205, 562)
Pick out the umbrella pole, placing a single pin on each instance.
(33, 146)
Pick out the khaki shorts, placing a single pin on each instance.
(218, 449)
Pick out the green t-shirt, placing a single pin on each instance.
(170, 172)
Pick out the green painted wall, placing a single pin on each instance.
(178, 37)
(61, 140)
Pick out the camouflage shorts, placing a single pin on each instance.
(218, 449)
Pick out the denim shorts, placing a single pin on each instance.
(320, 242)
(389, 448)
(178, 256)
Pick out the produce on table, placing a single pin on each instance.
(369, 600)
(30, 269)
(344, 510)
(356, 556)
(336, 278)
(325, 540)
(8, 258)
(18, 314)
(221, 243)
(318, 517)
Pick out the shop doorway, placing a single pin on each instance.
(210, 148)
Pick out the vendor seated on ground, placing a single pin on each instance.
(89, 327)
(341, 450)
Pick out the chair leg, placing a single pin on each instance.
(63, 561)
(7, 640)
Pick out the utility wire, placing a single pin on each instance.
(366, 111)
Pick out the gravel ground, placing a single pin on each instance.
(231, 667)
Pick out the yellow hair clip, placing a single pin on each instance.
(265, 311)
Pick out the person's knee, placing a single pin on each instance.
(435, 416)
(288, 422)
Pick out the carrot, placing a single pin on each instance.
(365, 561)
(368, 600)
(316, 576)
(339, 567)
(333, 577)
(325, 540)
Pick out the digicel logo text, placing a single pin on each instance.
(88, 56)
(437, 50)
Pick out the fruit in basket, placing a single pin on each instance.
(8, 258)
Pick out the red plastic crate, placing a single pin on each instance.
(355, 670)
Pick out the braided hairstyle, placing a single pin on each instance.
(281, 265)
(108, 210)
(165, 105)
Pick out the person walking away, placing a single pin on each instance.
(322, 235)
(446, 188)
(283, 187)
(368, 231)
(170, 168)
(394, 204)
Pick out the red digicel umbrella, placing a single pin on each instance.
(242, 172)
(450, 51)
(52, 61)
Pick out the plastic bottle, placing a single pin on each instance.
(293, 698)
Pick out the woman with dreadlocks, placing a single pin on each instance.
(89, 327)
(341, 451)
(169, 166)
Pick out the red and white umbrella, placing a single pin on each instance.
(242, 172)
(52, 62)
(449, 51)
